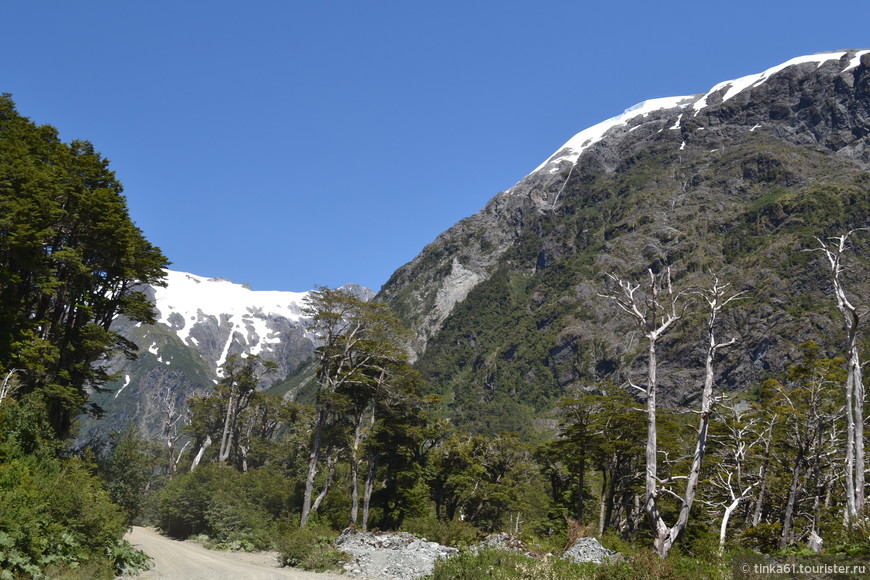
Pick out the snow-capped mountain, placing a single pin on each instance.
(685, 107)
(217, 317)
(200, 322)
(737, 179)
(789, 98)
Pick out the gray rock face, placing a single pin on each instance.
(397, 556)
(588, 550)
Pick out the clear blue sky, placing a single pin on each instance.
(288, 144)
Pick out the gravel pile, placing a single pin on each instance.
(395, 556)
(503, 541)
(588, 550)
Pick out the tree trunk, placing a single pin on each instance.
(354, 471)
(602, 503)
(581, 487)
(793, 492)
(729, 509)
(226, 434)
(205, 445)
(313, 458)
(369, 488)
(651, 481)
(858, 379)
(330, 471)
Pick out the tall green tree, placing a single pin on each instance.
(71, 260)
(360, 353)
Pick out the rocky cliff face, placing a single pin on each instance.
(736, 180)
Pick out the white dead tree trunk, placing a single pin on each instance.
(202, 449)
(654, 315)
(173, 424)
(855, 462)
(8, 386)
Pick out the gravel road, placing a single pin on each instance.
(174, 560)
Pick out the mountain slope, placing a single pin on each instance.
(200, 322)
(737, 180)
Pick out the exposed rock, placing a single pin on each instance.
(589, 550)
(503, 541)
(396, 556)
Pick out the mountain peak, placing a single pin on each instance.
(571, 151)
(188, 299)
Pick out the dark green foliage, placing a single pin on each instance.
(601, 438)
(227, 506)
(54, 513)
(476, 476)
(537, 326)
(127, 467)
(456, 533)
(70, 258)
(508, 565)
(310, 548)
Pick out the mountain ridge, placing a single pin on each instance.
(736, 180)
(542, 187)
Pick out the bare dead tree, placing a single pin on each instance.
(655, 313)
(174, 421)
(731, 478)
(833, 249)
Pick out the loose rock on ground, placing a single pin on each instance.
(396, 556)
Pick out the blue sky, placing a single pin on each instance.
(291, 144)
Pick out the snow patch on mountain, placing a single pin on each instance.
(188, 299)
(575, 146)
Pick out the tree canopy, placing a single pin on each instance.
(70, 262)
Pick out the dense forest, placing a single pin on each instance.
(777, 468)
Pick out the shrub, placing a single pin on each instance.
(507, 565)
(454, 533)
(235, 510)
(310, 548)
(55, 515)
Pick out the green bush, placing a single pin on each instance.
(310, 548)
(127, 560)
(55, 515)
(507, 565)
(234, 510)
(456, 533)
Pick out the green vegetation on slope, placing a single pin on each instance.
(537, 324)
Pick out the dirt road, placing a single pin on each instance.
(174, 560)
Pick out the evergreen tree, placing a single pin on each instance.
(70, 262)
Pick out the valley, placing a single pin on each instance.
(655, 338)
